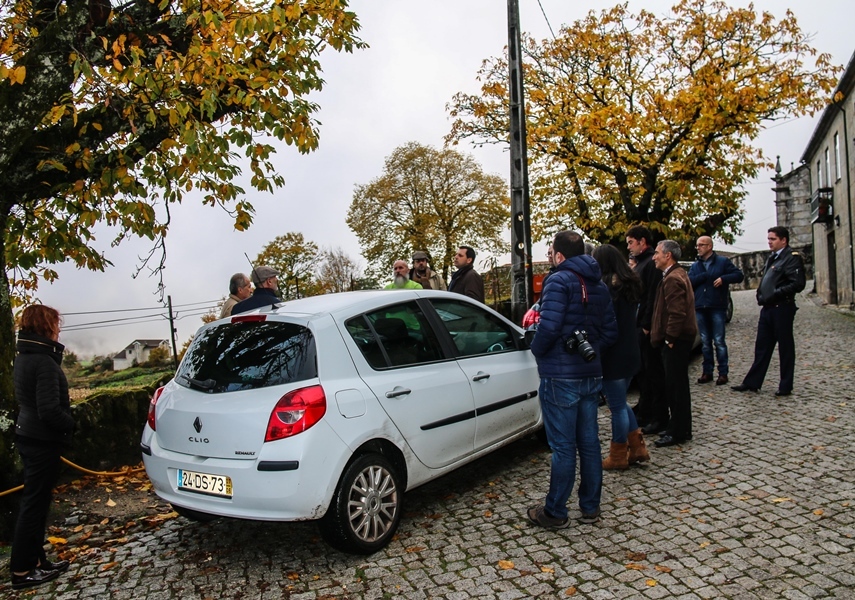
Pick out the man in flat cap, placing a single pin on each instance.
(266, 290)
(422, 273)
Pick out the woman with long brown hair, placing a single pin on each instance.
(42, 430)
(622, 360)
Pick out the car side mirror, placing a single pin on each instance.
(527, 338)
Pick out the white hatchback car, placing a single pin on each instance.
(331, 407)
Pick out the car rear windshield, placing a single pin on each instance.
(248, 355)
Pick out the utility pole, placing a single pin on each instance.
(522, 289)
(172, 333)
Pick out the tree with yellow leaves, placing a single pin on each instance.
(432, 200)
(110, 114)
(635, 119)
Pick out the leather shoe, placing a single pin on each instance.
(35, 577)
(722, 379)
(667, 440)
(705, 378)
(60, 565)
(653, 428)
(783, 393)
(743, 388)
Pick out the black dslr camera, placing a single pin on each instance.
(578, 344)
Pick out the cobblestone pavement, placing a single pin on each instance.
(759, 505)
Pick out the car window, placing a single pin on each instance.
(248, 355)
(395, 336)
(474, 330)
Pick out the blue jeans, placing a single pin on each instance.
(570, 418)
(711, 327)
(623, 418)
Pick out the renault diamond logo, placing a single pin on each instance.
(197, 425)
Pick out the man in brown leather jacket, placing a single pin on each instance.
(673, 329)
(783, 278)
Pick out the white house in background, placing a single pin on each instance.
(135, 353)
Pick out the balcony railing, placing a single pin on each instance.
(822, 206)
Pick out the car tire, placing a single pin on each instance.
(728, 315)
(366, 507)
(194, 515)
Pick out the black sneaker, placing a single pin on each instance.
(539, 516)
(590, 519)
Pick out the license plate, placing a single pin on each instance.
(204, 483)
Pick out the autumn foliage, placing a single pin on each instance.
(637, 119)
(110, 114)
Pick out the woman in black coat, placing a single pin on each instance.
(43, 429)
(622, 360)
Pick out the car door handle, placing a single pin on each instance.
(481, 375)
(398, 391)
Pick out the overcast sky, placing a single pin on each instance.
(420, 55)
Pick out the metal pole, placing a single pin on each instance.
(172, 333)
(522, 289)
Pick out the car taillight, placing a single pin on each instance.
(151, 406)
(295, 412)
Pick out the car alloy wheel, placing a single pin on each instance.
(366, 507)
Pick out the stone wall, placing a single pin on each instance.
(752, 264)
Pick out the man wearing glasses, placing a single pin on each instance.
(711, 276)
(422, 273)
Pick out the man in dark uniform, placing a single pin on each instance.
(652, 408)
(783, 278)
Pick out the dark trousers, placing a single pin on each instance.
(675, 362)
(775, 327)
(41, 471)
(652, 404)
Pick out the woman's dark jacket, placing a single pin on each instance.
(702, 278)
(622, 360)
(41, 390)
(562, 312)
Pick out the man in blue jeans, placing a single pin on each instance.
(577, 322)
(711, 276)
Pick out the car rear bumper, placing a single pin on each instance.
(287, 482)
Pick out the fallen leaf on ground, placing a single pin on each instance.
(779, 500)
(412, 549)
(547, 570)
(651, 582)
(293, 576)
(635, 567)
(506, 564)
(571, 591)
(663, 569)
(636, 556)
(818, 512)
(110, 503)
(488, 513)
(57, 540)
(704, 544)
(108, 565)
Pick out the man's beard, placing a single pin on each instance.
(401, 281)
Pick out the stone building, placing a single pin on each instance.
(827, 164)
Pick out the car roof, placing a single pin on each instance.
(352, 302)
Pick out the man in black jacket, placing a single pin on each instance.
(652, 408)
(783, 278)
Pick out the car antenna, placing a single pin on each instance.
(251, 267)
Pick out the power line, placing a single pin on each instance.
(121, 310)
(545, 18)
(88, 326)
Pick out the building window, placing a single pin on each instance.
(819, 183)
(826, 175)
(836, 157)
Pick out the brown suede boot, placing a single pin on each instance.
(637, 450)
(617, 457)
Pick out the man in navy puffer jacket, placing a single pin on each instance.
(570, 385)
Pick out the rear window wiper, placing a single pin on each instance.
(205, 385)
